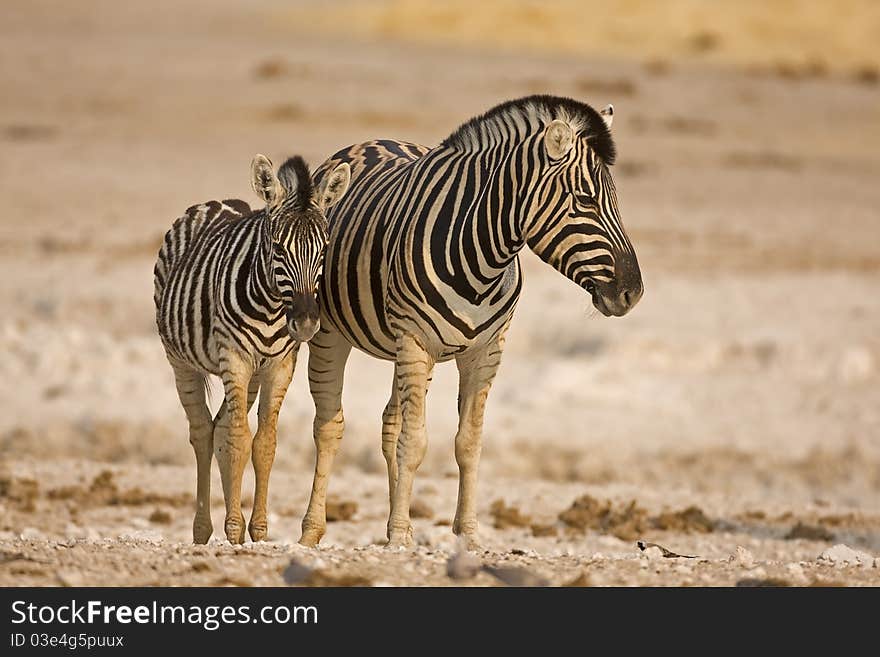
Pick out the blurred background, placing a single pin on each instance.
(749, 158)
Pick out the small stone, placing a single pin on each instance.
(742, 557)
(843, 555)
(296, 573)
(463, 564)
(515, 576)
(32, 534)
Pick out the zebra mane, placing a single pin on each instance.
(585, 121)
(294, 175)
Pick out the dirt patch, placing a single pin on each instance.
(628, 522)
(543, 530)
(419, 509)
(809, 532)
(103, 491)
(160, 517)
(691, 519)
(340, 510)
(21, 493)
(507, 516)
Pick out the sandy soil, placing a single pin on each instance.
(734, 416)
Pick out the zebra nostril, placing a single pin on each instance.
(627, 297)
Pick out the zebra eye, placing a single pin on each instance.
(584, 198)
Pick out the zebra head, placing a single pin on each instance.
(297, 235)
(575, 225)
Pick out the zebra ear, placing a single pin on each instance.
(608, 115)
(558, 139)
(264, 181)
(334, 186)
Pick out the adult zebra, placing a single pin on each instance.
(422, 267)
(235, 297)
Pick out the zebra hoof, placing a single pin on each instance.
(258, 531)
(202, 530)
(234, 530)
(311, 538)
(400, 538)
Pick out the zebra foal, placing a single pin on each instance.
(235, 296)
(422, 267)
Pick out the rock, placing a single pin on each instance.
(32, 534)
(419, 509)
(296, 573)
(843, 555)
(516, 576)
(742, 557)
(463, 564)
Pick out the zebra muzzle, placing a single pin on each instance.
(302, 317)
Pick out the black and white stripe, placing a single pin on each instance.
(422, 262)
(235, 295)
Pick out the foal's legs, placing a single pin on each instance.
(234, 452)
(273, 386)
(328, 353)
(191, 390)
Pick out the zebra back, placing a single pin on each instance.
(186, 230)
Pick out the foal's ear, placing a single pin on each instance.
(607, 114)
(264, 181)
(334, 185)
(558, 139)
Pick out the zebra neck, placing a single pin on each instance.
(261, 276)
(484, 230)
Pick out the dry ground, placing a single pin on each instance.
(745, 384)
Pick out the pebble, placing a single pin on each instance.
(32, 534)
(843, 555)
(742, 557)
(463, 565)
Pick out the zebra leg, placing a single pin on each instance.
(328, 353)
(391, 422)
(414, 367)
(390, 432)
(273, 387)
(234, 451)
(221, 428)
(476, 372)
(191, 390)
